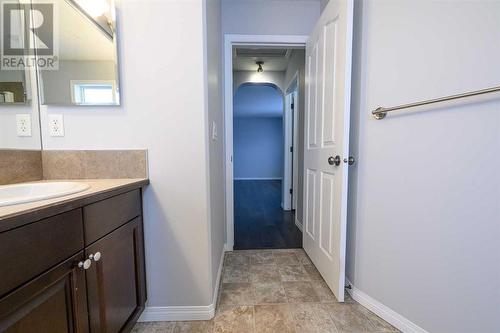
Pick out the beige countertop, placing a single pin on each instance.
(97, 186)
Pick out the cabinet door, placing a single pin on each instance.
(54, 302)
(116, 280)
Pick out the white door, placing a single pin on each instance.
(328, 83)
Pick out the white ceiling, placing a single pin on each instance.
(252, 55)
(79, 38)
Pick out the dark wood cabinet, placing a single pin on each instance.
(81, 271)
(32, 249)
(55, 302)
(116, 282)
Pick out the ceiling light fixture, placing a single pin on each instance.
(260, 69)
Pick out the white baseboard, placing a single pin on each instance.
(264, 178)
(389, 315)
(177, 313)
(185, 313)
(215, 296)
(298, 224)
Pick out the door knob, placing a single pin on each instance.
(96, 256)
(349, 160)
(334, 160)
(85, 264)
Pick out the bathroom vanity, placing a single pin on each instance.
(74, 264)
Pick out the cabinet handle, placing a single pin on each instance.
(96, 256)
(85, 264)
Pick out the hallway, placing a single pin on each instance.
(271, 291)
(259, 220)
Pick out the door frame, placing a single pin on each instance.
(287, 182)
(295, 81)
(231, 40)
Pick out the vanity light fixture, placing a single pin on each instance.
(260, 69)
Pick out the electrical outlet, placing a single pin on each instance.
(23, 123)
(56, 125)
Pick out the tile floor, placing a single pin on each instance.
(276, 291)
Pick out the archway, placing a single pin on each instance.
(258, 164)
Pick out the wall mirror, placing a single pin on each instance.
(87, 71)
(19, 118)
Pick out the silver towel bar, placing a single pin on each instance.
(381, 112)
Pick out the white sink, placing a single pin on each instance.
(29, 192)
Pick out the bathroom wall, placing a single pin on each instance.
(20, 156)
(269, 17)
(213, 94)
(164, 110)
(424, 219)
(8, 135)
(258, 148)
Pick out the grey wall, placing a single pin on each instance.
(213, 81)
(56, 84)
(287, 17)
(424, 218)
(297, 63)
(258, 148)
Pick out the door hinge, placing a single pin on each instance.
(293, 106)
(291, 191)
(291, 149)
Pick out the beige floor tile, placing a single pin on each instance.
(300, 292)
(303, 257)
(293, 273)
(312, 318)
(282, 307)
(264, 273)
(348, 318)
(269, 292)
(262, 257)
(239, 319)
(154, 327)
(236, 294)
(193, 327)
(348, 298)
(323, 291)
(285, 258)
(313, 272)
(274, 318)
(380, 324)
(237, 258)
(236, 273)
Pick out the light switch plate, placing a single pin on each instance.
(214, 131)
(56, 125)
(23, 124)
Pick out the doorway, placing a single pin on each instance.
(262, 132)
(261, 210)
(327, 83)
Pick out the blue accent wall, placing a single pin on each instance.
(258, 147)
